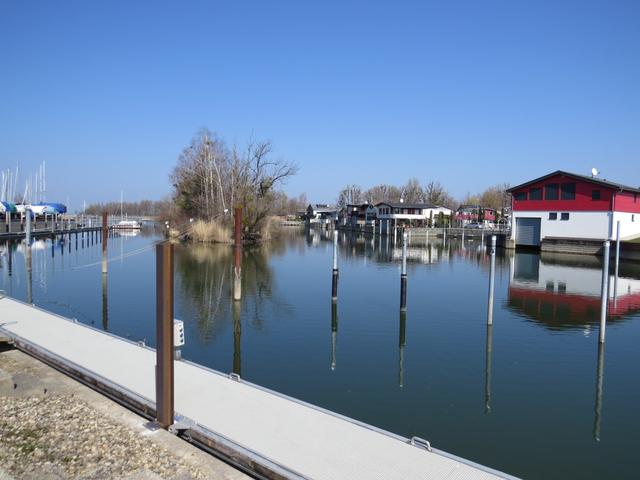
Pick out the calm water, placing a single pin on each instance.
(525, 396)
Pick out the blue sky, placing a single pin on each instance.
(466, 93)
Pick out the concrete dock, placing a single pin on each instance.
(266, 433)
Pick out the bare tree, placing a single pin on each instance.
(435, 194)
(351, 194)
(209, 180)
(412, 192)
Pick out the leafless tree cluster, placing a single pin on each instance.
(142, 208)
(495, 197)
(412, 192)
(211, 179)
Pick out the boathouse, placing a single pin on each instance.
(566, 206)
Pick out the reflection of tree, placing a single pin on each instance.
(204, 274)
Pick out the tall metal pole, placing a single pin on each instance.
(237, 271)
(105, 233)
(615, 279)
(492, 277)
(164, 335)
(403, 275)
(334, 274)
(604, 295)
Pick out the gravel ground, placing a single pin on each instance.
(61, 434)
(52, 427)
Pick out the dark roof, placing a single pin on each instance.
(409, 205)
(597, 181)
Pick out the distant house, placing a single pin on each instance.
(322, 214)
(410, 214)
(569, 206)
(475, 214)
(354, 215)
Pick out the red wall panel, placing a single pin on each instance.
(582, 202)
(627, 202)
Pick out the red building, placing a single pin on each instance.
(571, 206)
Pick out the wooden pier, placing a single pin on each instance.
(263, 432)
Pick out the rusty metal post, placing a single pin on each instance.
(105, 233)
(164, 334)
(237, 271)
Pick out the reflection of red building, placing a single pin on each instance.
(563, 295)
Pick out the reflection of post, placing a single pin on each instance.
(334, 333)
(164, 334)
(487, 370)
(599, 382)
(334, 275)
(237, 271)
(105, 304)
(492, 277)
(237, 334)
(604, 294)
(105, 233)
(401, 344)
(403, 274)
(615, 278)
(10, 255)
(29, 275)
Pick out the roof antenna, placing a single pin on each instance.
(594, 172)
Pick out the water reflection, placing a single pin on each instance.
(334, 333)
(563, 291)
(401, 344)
(205, 278)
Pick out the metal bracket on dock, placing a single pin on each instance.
(234, 376)
(420, 443)
(181, 424)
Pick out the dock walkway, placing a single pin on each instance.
(257, 429)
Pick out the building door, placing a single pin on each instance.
(528, 232)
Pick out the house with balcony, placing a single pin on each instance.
(410, 214)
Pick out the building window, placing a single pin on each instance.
(535, 194)
(553, 215)
(551, 191)
(564, 216)
(520, 196)
(595, 195)
(568, 191)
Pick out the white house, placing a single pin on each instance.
(412, 214)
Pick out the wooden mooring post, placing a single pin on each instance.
(164, 335)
